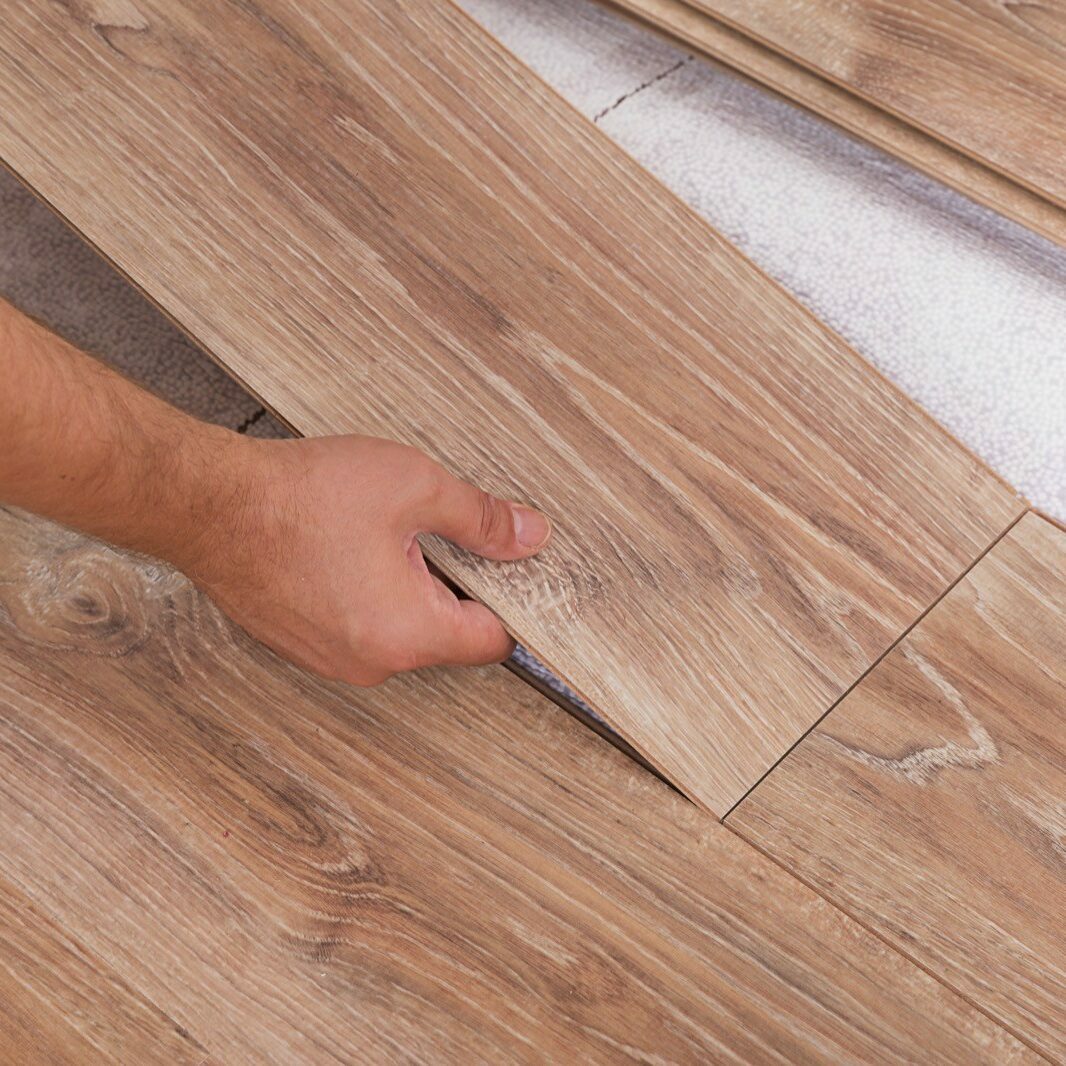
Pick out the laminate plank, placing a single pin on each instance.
(697, 29)
(444, 869)
(380, 221)
(59, 1004)
(988, 78)
(930, 803)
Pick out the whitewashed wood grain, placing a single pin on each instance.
(986, 77)
(932, 802)
(447, 869)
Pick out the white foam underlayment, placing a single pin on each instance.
(963, 309)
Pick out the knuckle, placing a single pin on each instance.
(493, 519)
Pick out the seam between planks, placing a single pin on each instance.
(626, 749)
(843, 908)
(877, 662)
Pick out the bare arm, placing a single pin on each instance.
(310, 545)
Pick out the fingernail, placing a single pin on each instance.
(531, 528)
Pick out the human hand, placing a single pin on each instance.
(309, 544)
(318, 556)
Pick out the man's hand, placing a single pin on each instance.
(310, 545)
(320, 558)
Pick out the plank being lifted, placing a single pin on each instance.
(381, 222)
(446, 869)
(988, 78)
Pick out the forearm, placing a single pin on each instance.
(84, 446)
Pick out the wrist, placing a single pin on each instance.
(203, 480)
(232, 518)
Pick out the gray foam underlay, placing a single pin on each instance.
(47, 271)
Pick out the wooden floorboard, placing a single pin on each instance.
(59, 1003)
(987, 78)
(380, 221)
(445, 869)
(697, 29)
(932, 802)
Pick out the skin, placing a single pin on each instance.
(310, 545)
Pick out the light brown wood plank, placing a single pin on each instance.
(380, 221)
(932, 802)
(445, 869)
(699, 30)
(988, 78)
(60, 1004)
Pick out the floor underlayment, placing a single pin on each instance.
(963, 309)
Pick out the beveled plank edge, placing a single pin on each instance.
(1058, 523)
(861, 118)
(906, 120)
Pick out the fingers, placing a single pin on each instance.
(482, 523)
(469, 634)
(434, 628)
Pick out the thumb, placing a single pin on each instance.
(485, 524)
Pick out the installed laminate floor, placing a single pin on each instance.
(205, 852)
(986, 78)
(62, 1004)
(930, 803)
(381, 222)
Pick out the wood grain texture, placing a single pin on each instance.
(382, 222)
(444, 869)
(697, 29)
(932, 802)
(987, 77)
(60, 1004)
